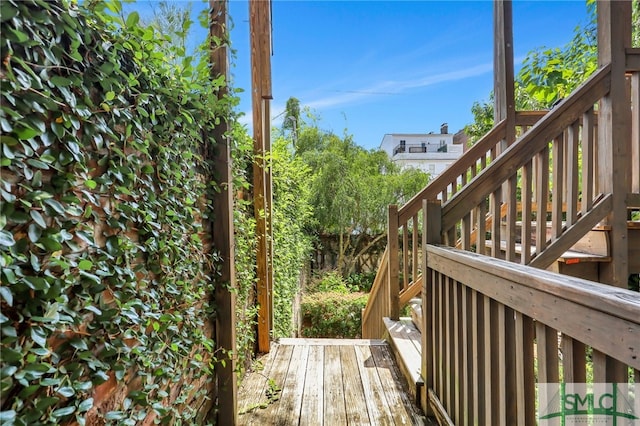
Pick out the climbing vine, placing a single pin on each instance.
(106, 261)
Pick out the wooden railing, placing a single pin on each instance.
(494, 333)
(552, 162)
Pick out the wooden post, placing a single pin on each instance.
(223, 240)
(503, 74)
(614, 133)
(260, 35)
(394, 282)
(432, 234)
(614, 137)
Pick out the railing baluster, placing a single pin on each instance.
(487, 356)
(481, 235)
(542, 185)
(448, 353)
(405, 257)
(456, 355)
(526, 197)
(415, 248)
(558, 187)
(525, 378)
(573, 134)
(476, 358)
(512, 206)
(588, 157)
(496, 240)
(442, 332)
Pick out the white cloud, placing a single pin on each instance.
(396, 87)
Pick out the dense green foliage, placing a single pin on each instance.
(331, 309)
(245, 248)
(105, 266)
(292, 213)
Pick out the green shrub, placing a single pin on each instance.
(328, 282)
(361, 281)
(333, 314)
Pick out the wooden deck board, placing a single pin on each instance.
(291, 396)
(334, 403)
(353, 391)
(328, 382)
(278, 374)
(312, 412)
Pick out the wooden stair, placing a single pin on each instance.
(582, 260)
(404, 338)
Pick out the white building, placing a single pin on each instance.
(429, 152)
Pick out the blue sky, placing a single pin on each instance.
(376, 67)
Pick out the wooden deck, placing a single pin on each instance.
(331, 382)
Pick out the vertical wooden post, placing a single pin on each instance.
(503, 73)
(393, 279)
(223, 240)
(431, 234)
(260, 35)
(614, 133)
(635, 132)
(614, 141)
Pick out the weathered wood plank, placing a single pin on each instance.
(278, 376)
(283, 341)
(405, 340)
(289, 406)
(402, 409)
(354, 396)
(374, 391)
(312, 411)
(251, 390)
(334, 403)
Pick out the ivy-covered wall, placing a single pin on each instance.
(106, 266)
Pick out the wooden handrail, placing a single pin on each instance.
(619, 305)
(377, 303)
(494, 330)
(451, 173)
(526, 147)
(488, 171)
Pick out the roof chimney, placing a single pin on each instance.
(444, 128)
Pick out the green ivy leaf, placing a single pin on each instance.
(85, 405)
(8, 140)
(6, 239)
(26, 133)
(66, 391)
(6, 295)
(38, 218)
(8, 417)
(132, 19)
(85, 265)
(39, 336)
(63, 412)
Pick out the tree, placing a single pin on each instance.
(351, 188)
